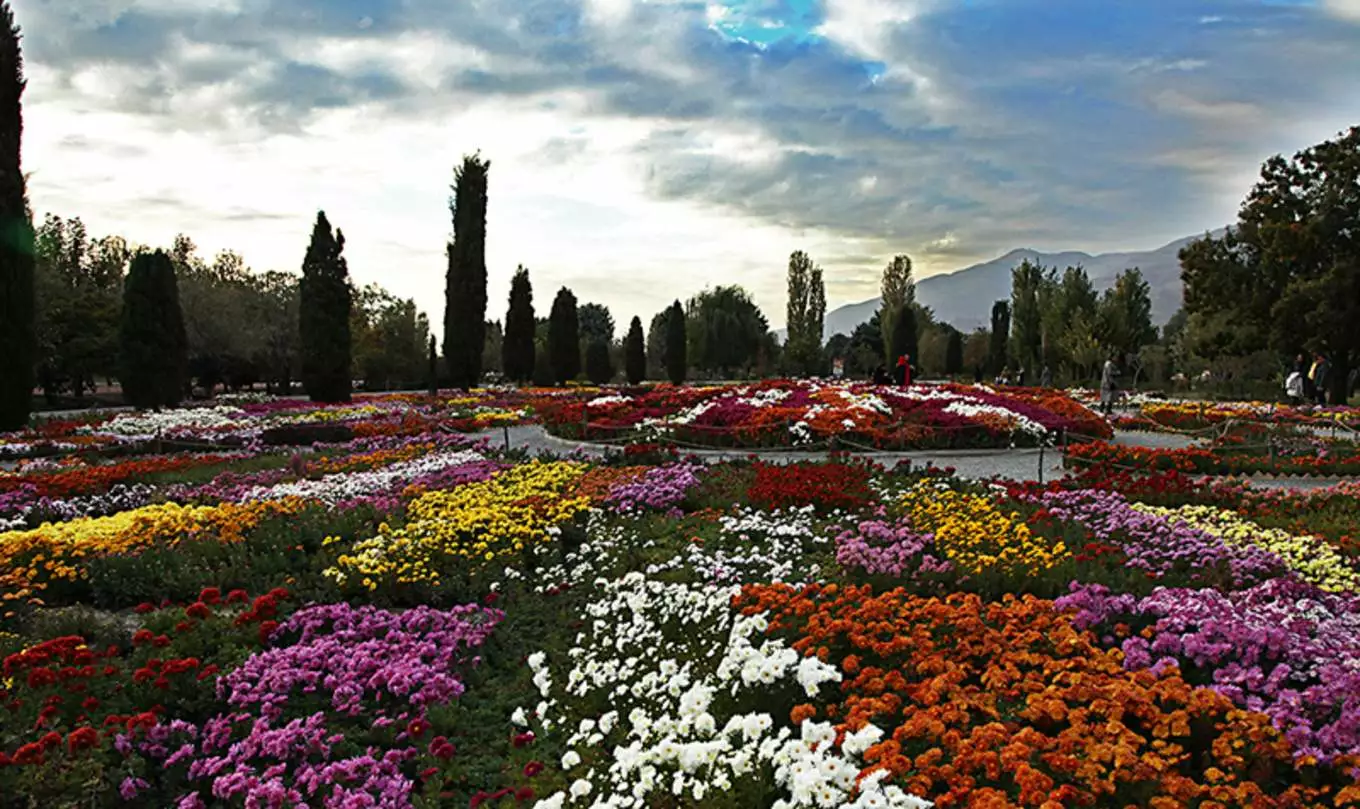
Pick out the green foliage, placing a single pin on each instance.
(904, 340)
(564, 338)
(1124, 315)
(517, 352)
(897, 289)
(465, 282)
(1286, 277)
(725, 330)
(17, 305)
(324, 316)
(656, 345)
(953, 353)
(1001, 329)
(599, 368)
(806, 312)
(677, 360)
(595, 323)
(390, 337)
(1028, 283)
(78, 286)
(634, 355)
(152, 342)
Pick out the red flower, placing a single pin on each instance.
(160, 641)
(279, 593)
(90, 703)
(208, 671)
(5, 760)
(52, 739)
(38, 678)
(427, 772)
(524, 794)
(533, 768)
(417, 728)
(31, 753)
(141, 636)
(210, 595)
(198, 610)
(266, 629)
(82, 739)
(144, 607)
(491, 598)
(237, 597)
(521, 739)
(184, 626)
(441, 748)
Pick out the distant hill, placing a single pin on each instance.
(964, 297)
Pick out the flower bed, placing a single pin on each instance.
(793, 413)
(433, 623)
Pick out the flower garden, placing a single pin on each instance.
(372, 606)
(812, 414)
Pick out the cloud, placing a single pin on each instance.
(642, 150)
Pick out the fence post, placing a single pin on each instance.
(505, 430)
(1270, 446)
(1042, 441)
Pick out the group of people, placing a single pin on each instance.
(901, 374)
(1308, 382)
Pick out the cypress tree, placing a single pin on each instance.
(517, 349)
(152, 347)
(599, 369)
(432, 370)
(16, 239)
(953, 353)
(564, 341)
(677, 361)
(904, 335)
(634, 353)
(325, 299)
(465, 281)
(1001, 330)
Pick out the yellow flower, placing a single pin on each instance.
(976, 536)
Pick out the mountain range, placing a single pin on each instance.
(964, 297)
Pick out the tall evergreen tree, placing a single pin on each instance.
(517, 350)
(599, 368)
(953, 353)
(1001, 329)
(897, 289)
(634, 353)
(432, 369)
(153, 349)
(677, 357)
(564, 338)
(323, 315)
(465, 282)
(17, 324)
(904, 342)
(806, 311)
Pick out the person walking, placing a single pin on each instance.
(1046, 378)
(881, 375)
(1320, 372)
(1108, 375)
(1020, 377)
(977, 374)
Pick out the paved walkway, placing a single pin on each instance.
(978, 464)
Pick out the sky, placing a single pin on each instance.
(642, 150)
